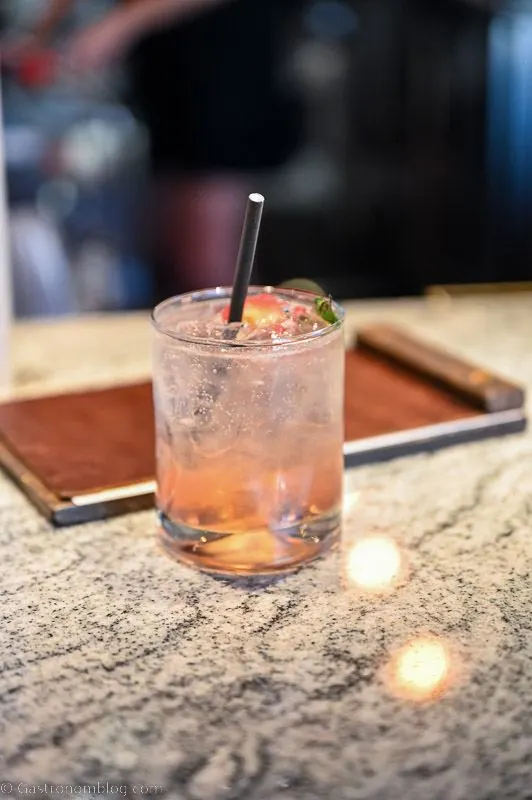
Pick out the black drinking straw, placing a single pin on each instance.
(246, 256)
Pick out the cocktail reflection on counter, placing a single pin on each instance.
(422, 670)
(375, 564)
(372, 561)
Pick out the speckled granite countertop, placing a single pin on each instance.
(120, 666)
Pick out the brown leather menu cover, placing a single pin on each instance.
(85, 455)
(89, 455)
(371, 383)
(84, 442)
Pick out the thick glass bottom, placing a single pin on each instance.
(262, 551)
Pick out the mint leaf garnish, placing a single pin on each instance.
(323, 306)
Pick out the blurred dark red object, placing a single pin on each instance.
(38, 69)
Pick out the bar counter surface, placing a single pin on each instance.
(119, 665)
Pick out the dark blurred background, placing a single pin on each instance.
(414, 169)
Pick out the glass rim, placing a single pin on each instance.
(221, 292)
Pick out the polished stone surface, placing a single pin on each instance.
(398, 667)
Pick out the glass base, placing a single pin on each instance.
(263, 551)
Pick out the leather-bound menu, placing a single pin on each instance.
(405, 396)
(89, 455)
(82, 456)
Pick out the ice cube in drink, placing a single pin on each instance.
(249, 422)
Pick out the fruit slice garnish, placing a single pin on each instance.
(259, 309)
